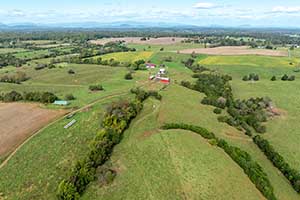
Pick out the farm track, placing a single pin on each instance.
(61, 118)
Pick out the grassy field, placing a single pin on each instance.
(59, 82)
(255, 61)
(154, 164)
(11, 50)
(36, 169)
(168, 48)
(128, 57)
(281, 131)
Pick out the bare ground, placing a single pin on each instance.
(240, 50)
(137, 40)
(19, 121)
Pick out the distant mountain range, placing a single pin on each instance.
(113, 25)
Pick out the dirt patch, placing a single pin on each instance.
(19, 121)
(242, 50)
(149, 133)
(137, 40)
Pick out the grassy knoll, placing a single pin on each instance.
(251, 60)
(36, 169)
(129, 57)
(154, 164)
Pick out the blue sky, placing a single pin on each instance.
(276, 13)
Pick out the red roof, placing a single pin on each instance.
(150, 64)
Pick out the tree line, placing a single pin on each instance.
(278, 161)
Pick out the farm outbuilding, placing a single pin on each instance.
(150, 65)
(61, 103)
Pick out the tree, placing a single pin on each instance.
(71, 71)
(246, 78)
(70, 97)
(273, 78)
(284, 77)
(128, 76)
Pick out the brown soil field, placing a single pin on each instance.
(229, 50)
(19, 121)
(137, 40)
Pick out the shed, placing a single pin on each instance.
(61, 103)
(150, 65)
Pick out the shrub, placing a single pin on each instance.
(273, 78)
(69, 97)
(217, 111)
(48, 97)
(284, 77)
(12, 96)
(96, 87)
(245, 78)
(291, 78)
(128, 76)
(67, 191)
(71, 71)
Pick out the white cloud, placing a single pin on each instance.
(283, 9)
(204, 5)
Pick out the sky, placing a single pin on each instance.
(258, 13)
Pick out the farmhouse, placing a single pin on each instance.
(61, 103)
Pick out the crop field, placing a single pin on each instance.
(19, 120)
(227, 51)
(128, 57)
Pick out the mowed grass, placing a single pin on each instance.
(35, 171)
(155, 164)
(250, 60)
(128, 57)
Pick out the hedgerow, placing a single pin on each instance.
(115, 121)
(278, 161)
